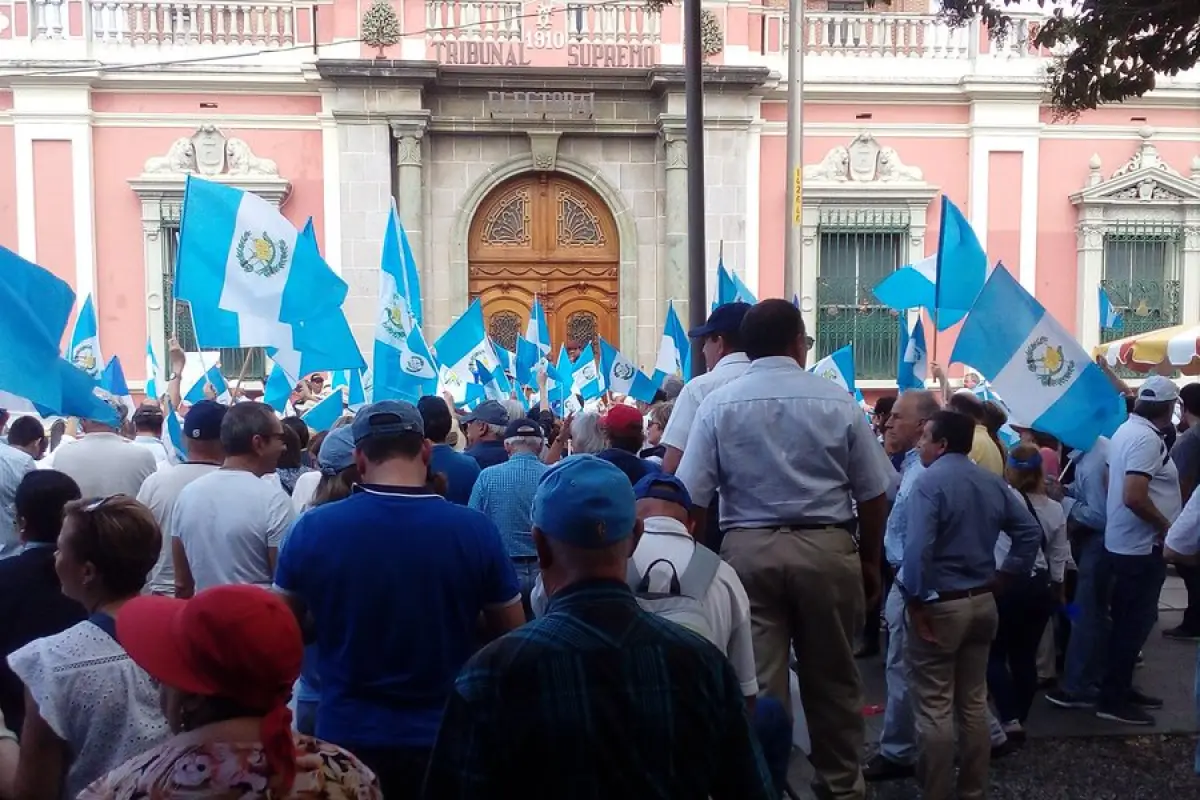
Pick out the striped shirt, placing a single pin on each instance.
(608, 701)
(504, 494)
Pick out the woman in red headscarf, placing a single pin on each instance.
(226, 661)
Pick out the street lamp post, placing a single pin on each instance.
(793, 244)
(693, 57)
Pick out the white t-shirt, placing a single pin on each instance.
(727, 605)
(683, 413)
(159, 493)
(105, 464)
(303, 491)
(94, 698)
(227, 520)
(155, 446)
(1137, 448)
(1054, 542)
(1184, 536)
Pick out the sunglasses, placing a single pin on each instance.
(97, 503)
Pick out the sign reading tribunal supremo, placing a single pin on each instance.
(516, 54)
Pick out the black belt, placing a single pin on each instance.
(961, 594)
(522, 559)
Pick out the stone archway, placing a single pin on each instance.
(549, 235)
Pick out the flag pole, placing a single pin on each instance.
(237, 390)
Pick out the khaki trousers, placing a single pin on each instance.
(948, 680)
(805, 589)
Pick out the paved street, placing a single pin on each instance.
(1072, 754)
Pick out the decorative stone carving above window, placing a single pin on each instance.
(864, 160)
(208, 153)
(1144, 179)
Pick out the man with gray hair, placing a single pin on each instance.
(484, 427)
(102, 461)
(1143, 500)
(504, 494)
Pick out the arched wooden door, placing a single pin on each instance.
(548, 235)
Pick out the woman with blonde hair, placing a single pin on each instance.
(1025, 606)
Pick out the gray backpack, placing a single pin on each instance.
(683, 603)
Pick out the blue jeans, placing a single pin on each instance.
(1196, 765)
(527, 575)
(898, 741)
(306, 717)
(1137, 582)
(1089, 629)
(774, 731)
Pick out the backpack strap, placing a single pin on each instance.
(700, 572)
(641, 583)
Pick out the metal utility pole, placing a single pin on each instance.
(693, 59)
(793, 244)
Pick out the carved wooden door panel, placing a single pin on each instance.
(551, 236)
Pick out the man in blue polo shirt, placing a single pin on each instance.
(485, 433)
(395, 578)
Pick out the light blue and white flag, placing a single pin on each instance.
(537, 331)
(213, 377)
(349, 382)
(1110, 318)
(618, 371)
(464, 344)
(488, 380)
(324, 414)
(1045, 376)
(403, 366)
(36, 306)
(238, 254)
(586, 380)
(914, 360)
(112, 381)
(526, 361)
(643, 388)
(674, 351)
(175, 433)
(730, 288)
(796, 301)
(504, 361)
(946, 283)
(154, 375)
(838, 367)
(277, 393)
(85, 341)
(559, 385)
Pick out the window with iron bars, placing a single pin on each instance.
(177, 318)
(1141, 278)
(858, 249)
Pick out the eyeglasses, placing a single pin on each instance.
(96, 503)
(809, 342)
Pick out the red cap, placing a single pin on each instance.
(622, 419)
(238, 642)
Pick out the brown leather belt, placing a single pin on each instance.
(961, 594)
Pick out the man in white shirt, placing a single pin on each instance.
(1143, 500)
(798, 470)
(16, 461)
(148, 430)
(227, 526)
(103, 462)
(202, 438)
(725, 361)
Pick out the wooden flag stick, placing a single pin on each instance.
(237, 390)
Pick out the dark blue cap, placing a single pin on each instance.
(662, 486)
(203, 421)
(489, 411)
(586, 502)
(724, 319)
(523, 426)
(387, 418)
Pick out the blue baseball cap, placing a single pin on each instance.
(203, 421)
(662, 486)
(724, 319)
(387, 418)
(586, 502)
(337, 451)
(522, 426)
(489, 411)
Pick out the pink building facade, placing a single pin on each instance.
(540, 148)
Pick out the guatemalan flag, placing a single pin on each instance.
(174, 433)
(1110, 318)
(85, 341)
(277, 393)
(674, 351)
(1043, 373)
(212, 376)
(350, 383)
(914, 361)
(838, 367)
(403, 367)
(237, 253)
(464, 345)
(537, 331)
(945, 283)
(730, 288)
(155, 380)
(112, 381)
(617, 370)
(525, 362)
(326, 413)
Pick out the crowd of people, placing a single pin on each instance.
(642, 600)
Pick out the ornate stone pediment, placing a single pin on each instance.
(210, 154)
(864, 160)
(1144, 179)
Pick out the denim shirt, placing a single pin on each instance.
(897, 521)
(1090, 489)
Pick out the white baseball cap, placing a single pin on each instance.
(1158, 389)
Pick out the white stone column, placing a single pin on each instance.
(675, 267)
(1089, 272)
(410, 191)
